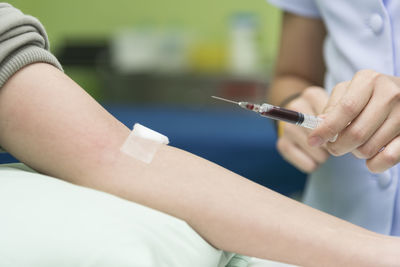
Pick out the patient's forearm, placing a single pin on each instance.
(49, 123)
(235, 214)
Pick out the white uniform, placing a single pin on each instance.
(361, 34)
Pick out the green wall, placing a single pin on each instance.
(98, 19)
(208, 20)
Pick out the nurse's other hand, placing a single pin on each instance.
(366, 113)
(292, 145)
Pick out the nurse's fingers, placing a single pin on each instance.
(364, 126)
(349, 106)
(312, 100)
(387, 158)
(336, 95)
(292, 145)
(298, 136)
(332, 101)
(382, 137)
(317, 98)
(296, 156)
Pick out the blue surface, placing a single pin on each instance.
(240, 141)
(7, 158)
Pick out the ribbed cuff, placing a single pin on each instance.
(25, 56)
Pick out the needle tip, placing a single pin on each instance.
(223, 99)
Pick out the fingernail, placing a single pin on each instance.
(315, 141)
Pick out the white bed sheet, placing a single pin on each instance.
(48, 222)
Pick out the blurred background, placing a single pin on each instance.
(157, 62)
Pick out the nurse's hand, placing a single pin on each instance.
(292, 145)
(366, 113)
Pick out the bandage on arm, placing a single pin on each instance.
(51, 124)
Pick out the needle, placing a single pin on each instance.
(278, 113)
(223, 99)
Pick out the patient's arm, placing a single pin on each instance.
(51, 124)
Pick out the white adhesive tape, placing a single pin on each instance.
(143, 143)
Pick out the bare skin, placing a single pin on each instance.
(365, 112)
(51, 124)
(300, 69)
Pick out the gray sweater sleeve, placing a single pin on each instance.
(23, 41)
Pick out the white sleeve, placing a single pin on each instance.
(305, 8)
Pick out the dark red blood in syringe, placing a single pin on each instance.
(250, 106)
(283, 114)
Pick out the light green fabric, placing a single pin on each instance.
(48, 222)
(239, 261)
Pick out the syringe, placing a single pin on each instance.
(278, 113)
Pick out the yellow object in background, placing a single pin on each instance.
(176, 49)
(280, 128)
(208, 57)
(98, 19)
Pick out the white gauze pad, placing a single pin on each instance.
(143, 143)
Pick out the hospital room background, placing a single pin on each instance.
(158, 62)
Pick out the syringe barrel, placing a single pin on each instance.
(310, 121)
(282, 114)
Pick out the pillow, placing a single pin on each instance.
(48, 222)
